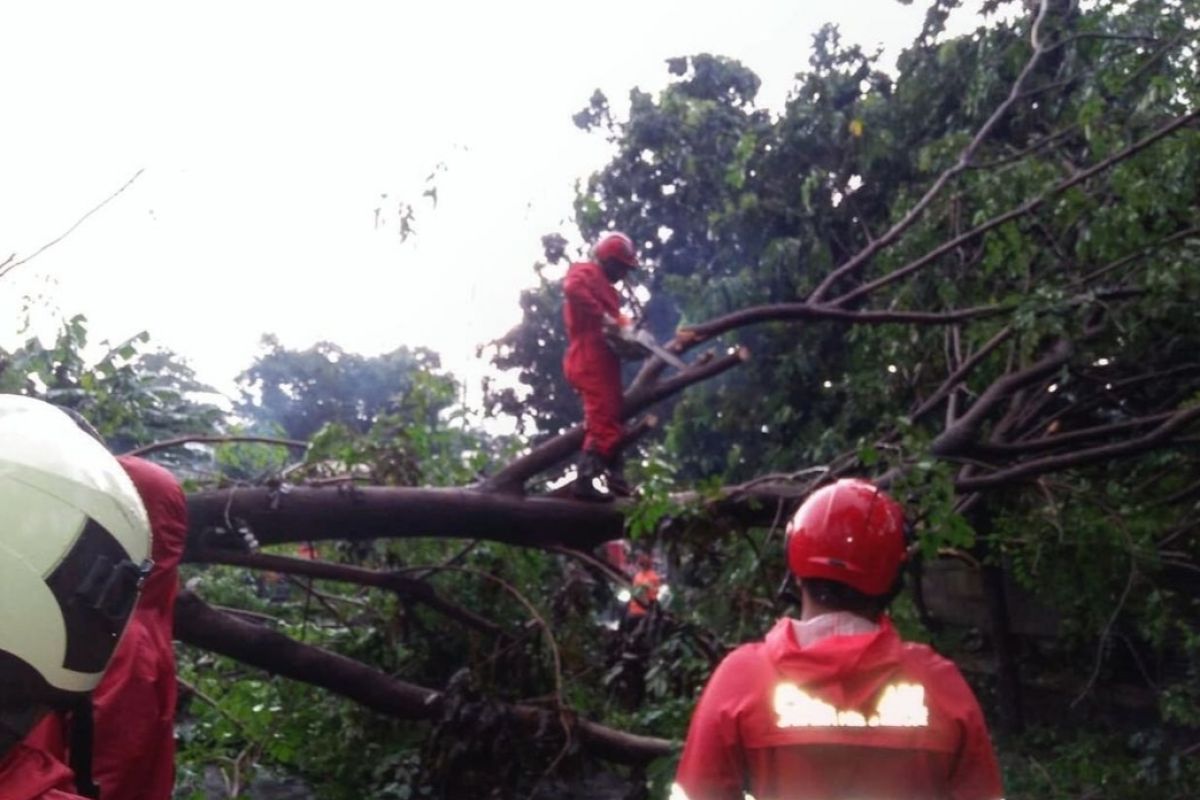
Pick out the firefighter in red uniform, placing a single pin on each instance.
(591, 308)
(834, 705)
(133, 755)
(74, 543)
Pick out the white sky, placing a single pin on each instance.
(269, 130)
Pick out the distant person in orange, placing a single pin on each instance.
(646, 584)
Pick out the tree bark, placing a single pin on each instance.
(352, 513)
(198, 624)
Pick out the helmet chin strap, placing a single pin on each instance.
(82, 740)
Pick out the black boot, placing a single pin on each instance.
(615, 472)
(590, 468)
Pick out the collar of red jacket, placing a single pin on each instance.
(846, 671)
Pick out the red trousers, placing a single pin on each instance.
(598, 382)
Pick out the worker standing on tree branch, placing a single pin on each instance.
(592, 310)
(834, 704)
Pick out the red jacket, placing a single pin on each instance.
(846, 718)
(28, 773)
(133, 754)
(589, 297)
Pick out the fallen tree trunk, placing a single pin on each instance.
(199, 624)
(351, 513)
(354, 513)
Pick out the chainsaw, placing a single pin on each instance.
(634, 342)
(630, 342)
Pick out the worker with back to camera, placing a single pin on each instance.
(74, 547)
(592, 311)
(834, 705)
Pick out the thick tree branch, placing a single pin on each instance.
(958, 438)
(1029, 469)
(1025, 208)
(351, 513)
(757, 503)
(205, 439)
(963, 162)
(198, 624)
(762, 501)
(403, 585)
(784, 312)
(1112, 392)
(1044, 443)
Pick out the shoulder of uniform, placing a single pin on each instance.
(742, 664)
(925, 655)
(747, 651)
(148, 476)
(935, 667)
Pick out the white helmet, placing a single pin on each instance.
(74, 548)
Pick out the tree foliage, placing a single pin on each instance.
(298, 391)
(973, 280)
(132, 394)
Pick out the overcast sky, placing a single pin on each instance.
(268, 131)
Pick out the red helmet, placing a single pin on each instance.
(850, 532)
(618, 247)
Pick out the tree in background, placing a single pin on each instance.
(133, 395)
(298, 391)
